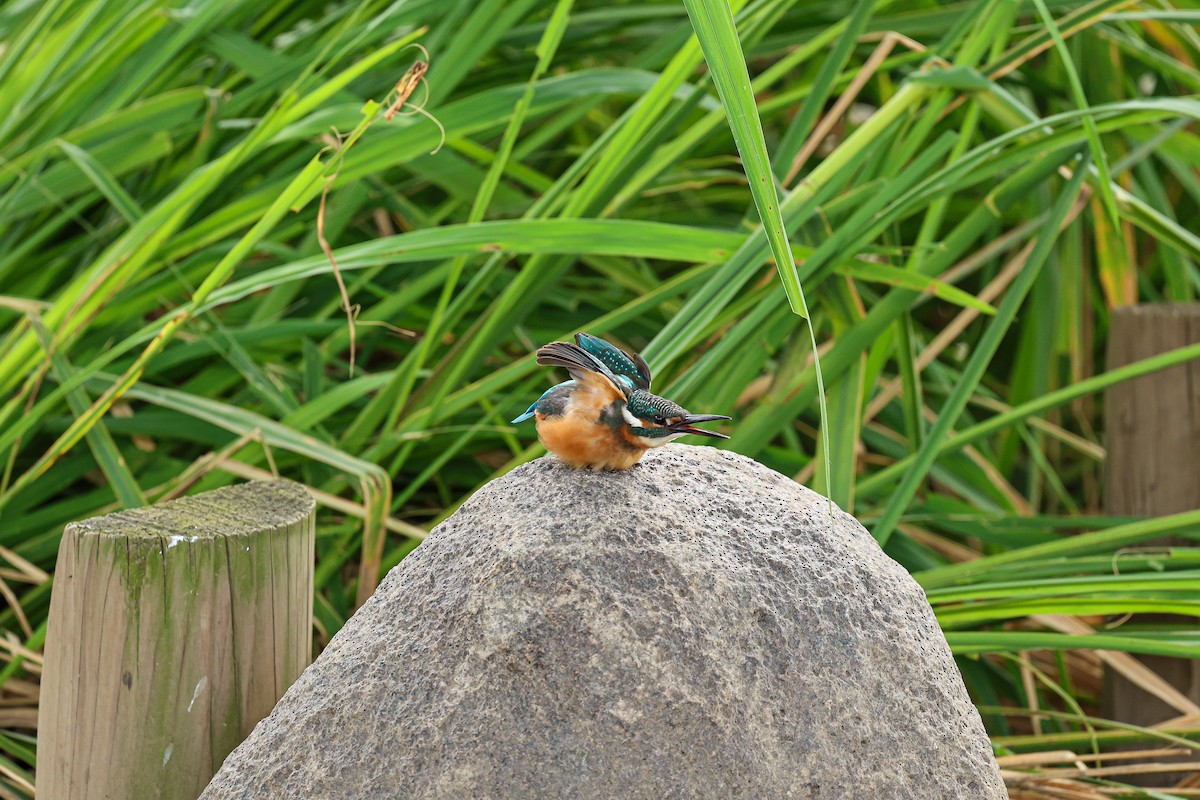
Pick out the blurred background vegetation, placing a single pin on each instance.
(969, 189)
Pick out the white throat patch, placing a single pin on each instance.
(659, 441)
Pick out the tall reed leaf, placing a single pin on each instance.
(718, 37)
(717, 33)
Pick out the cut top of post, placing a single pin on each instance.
(235, 510)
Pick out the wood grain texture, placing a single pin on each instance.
(1153, 423)
(173, 630)
(1152, 427)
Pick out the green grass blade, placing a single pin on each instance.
(979, 642)
(1083, 388)
(84, 422)
(1082, 544)
(120, 199)
(1099, 156)
(108, 456)
(984, 350)
(814, 103)
(717, 33)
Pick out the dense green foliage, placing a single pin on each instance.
(999, 175)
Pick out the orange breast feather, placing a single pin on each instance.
(579, 438)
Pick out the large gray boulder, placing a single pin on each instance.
(699, 626)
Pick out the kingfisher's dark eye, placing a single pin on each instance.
(661, 421)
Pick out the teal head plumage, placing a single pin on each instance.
(606, 417)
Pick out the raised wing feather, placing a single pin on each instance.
(583, 366)
(633, 368)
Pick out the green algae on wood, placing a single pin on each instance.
(173, 630)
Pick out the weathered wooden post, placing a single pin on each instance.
(173, 630)
(1152, 427)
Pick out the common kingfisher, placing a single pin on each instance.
(605, 417)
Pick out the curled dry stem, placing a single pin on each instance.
(351, 310)
(408, 83)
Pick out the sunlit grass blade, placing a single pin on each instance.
(715, 29)
(108, 456)
(839, 440)
(1081, 544)
(978, 642)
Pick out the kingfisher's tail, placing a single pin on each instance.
(527, 415)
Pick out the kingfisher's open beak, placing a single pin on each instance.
(686, 425)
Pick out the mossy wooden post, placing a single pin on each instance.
(1152, 427)
(173, 630)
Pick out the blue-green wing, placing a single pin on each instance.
(632, 368)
